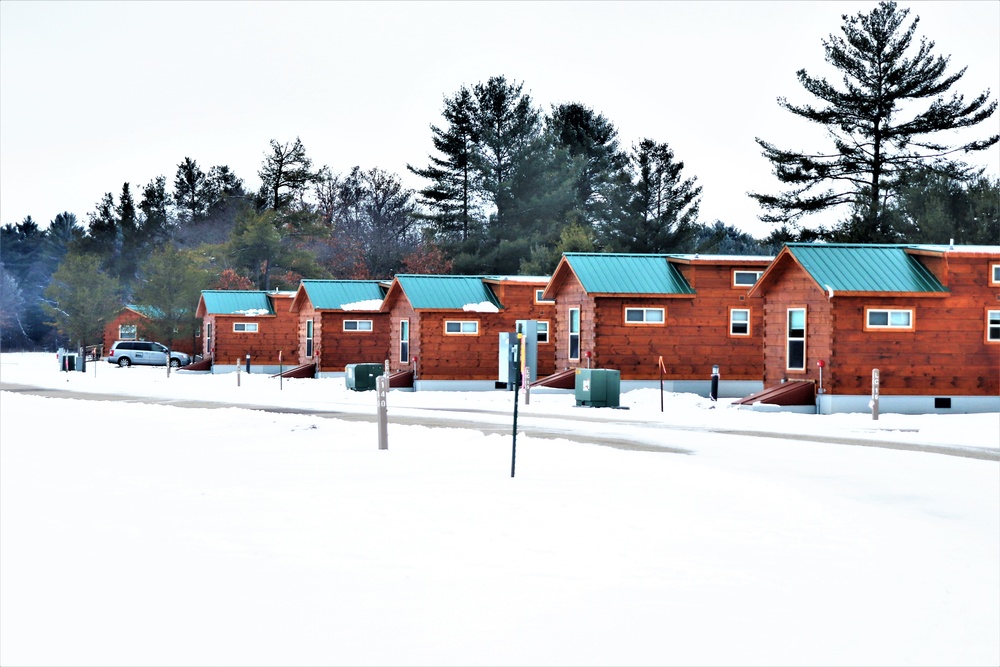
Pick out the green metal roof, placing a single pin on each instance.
(864, 268)
(446, 292)
(607, 273)
(237, 302)
(335, 294)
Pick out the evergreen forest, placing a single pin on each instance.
(508, 187)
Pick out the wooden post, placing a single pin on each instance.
(381, 391)
(874, 401)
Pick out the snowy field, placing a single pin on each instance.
(141, 533)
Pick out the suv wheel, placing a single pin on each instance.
(175, 363)
(124, 362)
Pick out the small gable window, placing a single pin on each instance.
(644, 316)
(462, 327)
(993, 326)
(539, 299)
(888, 318)
(357, 325)
(745, 278)
(127, 332)
(245, 327)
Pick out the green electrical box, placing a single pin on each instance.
(361, 377)
(598, 387)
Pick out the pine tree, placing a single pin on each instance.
(285, 175)
(172, 281)
(450, 196)
(663, 213)
(193, 190)
(81, 299)
(883, 123)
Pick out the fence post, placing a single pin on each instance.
(381, 390)
(874, 402)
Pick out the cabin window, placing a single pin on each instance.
(245, 327)
(746, 278)
(574, 334)
(404, 341)
(796, 339)
(542, 331)
(462, 327)
(127, 332)
(309, 338)
(995, 274)
(644, 316)
(888, 318)
(208, 337)
(993, 326)
(357, 325)
(539, 299)
(739, 321)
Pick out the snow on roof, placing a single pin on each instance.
(368, 304)
(481, 307)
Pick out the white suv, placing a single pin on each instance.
(146, 353)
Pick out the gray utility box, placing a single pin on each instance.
(598, 387)
(71, 361)
(361, 377)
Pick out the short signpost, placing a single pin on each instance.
(874, 402)
(381, 395)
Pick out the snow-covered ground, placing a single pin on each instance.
(134, 533)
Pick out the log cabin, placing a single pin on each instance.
(131, 324)
(340, 323)
(925, 317)
(657, 316)
(238, 323)
(446, 329)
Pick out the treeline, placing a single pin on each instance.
(508, 187)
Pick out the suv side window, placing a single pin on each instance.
(159, 348)
(126, 346)
(144, 347)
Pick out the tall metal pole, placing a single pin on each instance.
(517, 387)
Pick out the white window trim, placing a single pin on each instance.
(404, 341)
(889, 312)
(540, 300)
(248, 327)
(571, 333)
(539, 332)
(995, 275)
(358, 328)
(991, 315)
(645, 314)
(757, 275)
(133, 327)
(462, 324)
(789, 339)
(733, 322)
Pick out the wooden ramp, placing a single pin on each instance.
(303, 371)
(401, 380)
(562, 380)
(793, 392)
(202, 365)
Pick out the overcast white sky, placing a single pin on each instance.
(95, 94)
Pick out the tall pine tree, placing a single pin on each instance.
(884, 121)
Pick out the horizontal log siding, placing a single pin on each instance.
(945, 353)
(306, 313)
(400, 308)
(186, 344)
(518, 299)
(571, 295)
(276, 332)
(338, 348)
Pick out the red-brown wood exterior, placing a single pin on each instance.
(334, 348)
(444, 356)
(130, 316)
(695, 334)
(945, 353)
(276, 333)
